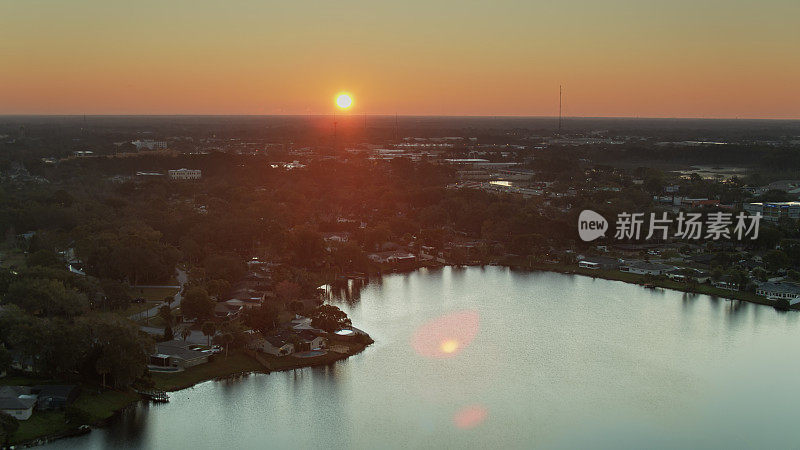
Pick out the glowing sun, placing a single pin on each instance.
(344, 101)
(449, 346)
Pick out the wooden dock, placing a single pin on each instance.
(154, 395)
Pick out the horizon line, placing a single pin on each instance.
(360, 115)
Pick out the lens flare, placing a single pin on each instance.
(447, 335)
(470, 417)
(449, 346)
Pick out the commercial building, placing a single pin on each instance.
(185, 174)
(774, 211)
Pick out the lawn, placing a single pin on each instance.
(705, 289)
(48, 423)
(135, 308)
(152, 294)
(220, 367)
(11, 257)
(41, 423)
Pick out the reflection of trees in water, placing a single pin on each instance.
(348, 290)
(734, 313)
(127, 429)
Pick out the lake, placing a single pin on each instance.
(538, 359)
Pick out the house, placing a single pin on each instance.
(598, 262)
(177, 354)
(17, 401)
(311, 340)
(55, 396)
(686, 274)
(227, 310)
(343, 236)
(726, 283)
(780, 290)
(300, 323)
(396, 258)
(645, 268)
(276, 345)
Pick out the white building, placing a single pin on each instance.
(774, 211)
(185, 174)
(646, 268)
(780, 291)
(16, 402)
(150, 144)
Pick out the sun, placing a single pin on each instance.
(344, 101)
(449, 346)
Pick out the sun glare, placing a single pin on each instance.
(344, 101)
(449, 346)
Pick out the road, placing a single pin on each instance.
(181, 276)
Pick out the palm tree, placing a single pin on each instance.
(103, 367)
(185, 333)
(227, 338)
(209, 328)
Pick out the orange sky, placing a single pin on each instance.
(678, 58)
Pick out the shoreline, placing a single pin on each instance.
(235, 365)
(615, 275)
(241, 363)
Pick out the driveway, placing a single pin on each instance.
(152, 312)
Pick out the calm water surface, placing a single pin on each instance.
(558, 361)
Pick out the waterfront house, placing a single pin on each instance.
(177, 354)
(780, 290)
(277, 345)
(312, 340)
(396, 258)
(17, 401)
(726, 283)
(55, 396)
(687, 274)
(598, 262)
(645, 268)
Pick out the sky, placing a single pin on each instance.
(630, 58)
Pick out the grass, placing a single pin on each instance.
(98, 406)
(705, 289)
(11, 257)
(136, 308)
(41, 424)
(219, 367)
(152, 294)
(277, 363)
(103, 405)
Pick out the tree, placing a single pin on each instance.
(168, 333)
(287, 290)
(329, 318)
(45, 258)
(196, 304)
(120, 344)
(165, 312)
(185, 333)
(775, 260)
(8, 426)
(116, 295)
(103, 368)
(263, 318)
(227, 338)
(209, 329)
(226, 267)
(46, 297)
